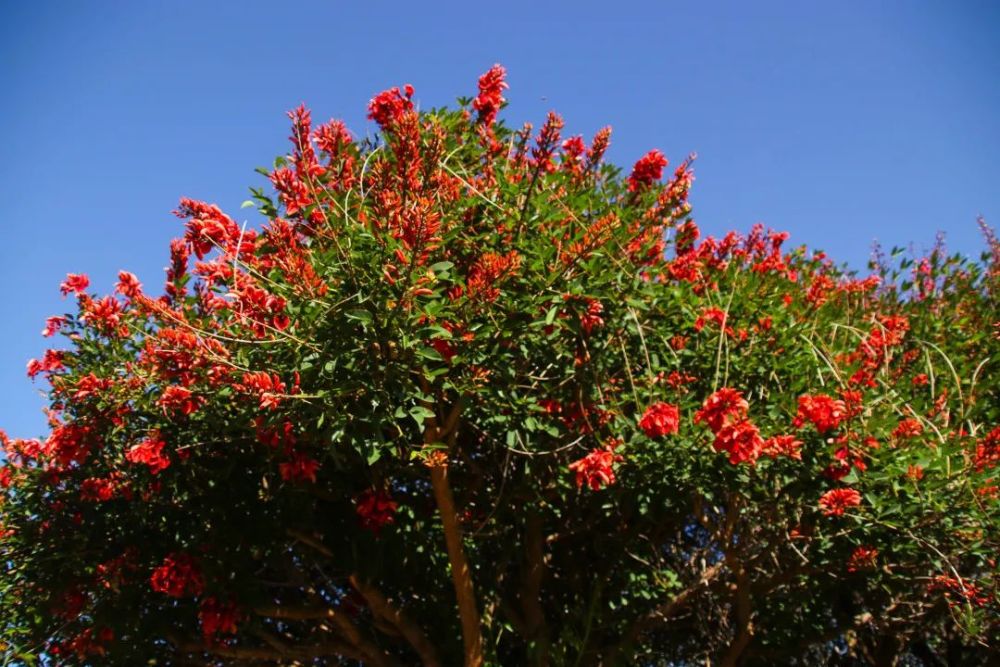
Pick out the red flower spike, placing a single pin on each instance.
(388, 107)
(490, 98)
(647, 170)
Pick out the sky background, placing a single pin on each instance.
(840, 122)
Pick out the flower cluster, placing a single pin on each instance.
(149, 452)
(490, 98)
(822, 411)
(217, 618)
(862, 558)
(596, 469)
(837, 501)
(647, 170)
(178, 576)
(375, 509)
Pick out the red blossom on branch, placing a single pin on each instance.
(217, 618)
(824, 412)
(490, 98)
(76, 283)
(647, 170)
(149, 452)
(52, 325)
(724, 406)
(862, 558)
(837, 501)
(908, 428)
(375, 509)
(596, 469)
(388, 107)
(660, 419)
(299, 469)
(741, 440)
(178, 576)
(988, 450)
(179, 399)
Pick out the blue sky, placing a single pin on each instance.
(839, 122)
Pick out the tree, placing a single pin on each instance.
(472, 397)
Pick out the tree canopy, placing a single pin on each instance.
(473, 396)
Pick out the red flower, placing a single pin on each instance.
(75, 282)
(294, 193)
(596, 468)
(592, 319)
(863, 558)
(825, 412)
(988, 450)
(782, 445)
(180, 399)
(177, 576)
(98, 490)
(720, 408)
(487, 271)
(741, 440)
(836, 501)
(573, 150)
(375, 509)
(908, 428)
(598, 146)
(647, 170)
(128, 285)
(217, 618)
(105, 315)
(388, 107)
(52, 325)
(491, 86)
(51, 362)
(208, 228)
(964, 590)
(149, 452)
(301, 468)
(268, 387)
(713, 314)
(660, 419)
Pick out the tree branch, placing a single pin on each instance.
(310, 541)
(666, 610)
(344, 626)
(743, 612)
(381, 607)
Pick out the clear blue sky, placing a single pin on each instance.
(838, 121)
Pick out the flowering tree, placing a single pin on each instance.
(471, 397)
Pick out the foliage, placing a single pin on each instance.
(472, 395)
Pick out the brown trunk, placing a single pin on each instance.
(460, 575)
